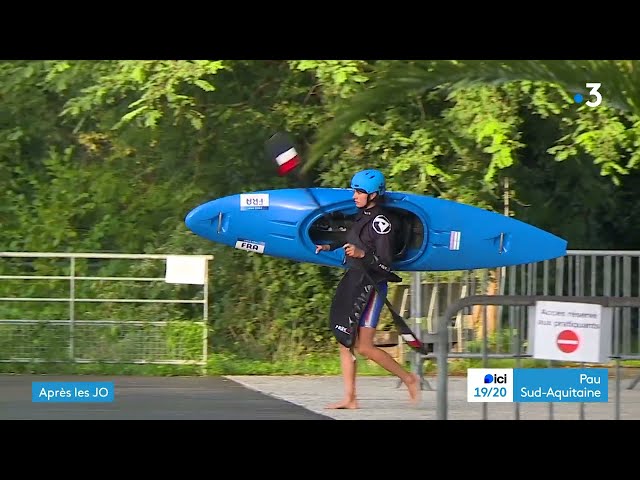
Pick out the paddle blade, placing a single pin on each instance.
(406, 333)
(281, 150)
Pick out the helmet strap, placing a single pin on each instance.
(370, 200)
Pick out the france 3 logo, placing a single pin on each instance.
(593, 92)
(490, 385)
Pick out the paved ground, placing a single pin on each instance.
(150, 398)
(381, 399)
(286, 398)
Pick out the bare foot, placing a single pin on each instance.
(344, 404)
(413, 384)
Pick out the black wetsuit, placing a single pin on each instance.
(372, 231)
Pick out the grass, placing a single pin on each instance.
(43, 368)
(226, 364)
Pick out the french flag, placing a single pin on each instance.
(281, 149)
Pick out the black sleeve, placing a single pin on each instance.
(382, 233)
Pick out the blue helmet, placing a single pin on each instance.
(370, 181)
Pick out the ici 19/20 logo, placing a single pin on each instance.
(593, 92)
(488, 378)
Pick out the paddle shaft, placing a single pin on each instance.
(280, 148)
(400, 322)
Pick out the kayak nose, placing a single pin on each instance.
(204, 219)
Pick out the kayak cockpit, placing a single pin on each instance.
(409, 231)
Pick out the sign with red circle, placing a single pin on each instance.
(568, 341)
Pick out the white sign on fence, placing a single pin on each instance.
(567, 331)
(186, 269)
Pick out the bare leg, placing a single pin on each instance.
(367, 349)
(348, 364)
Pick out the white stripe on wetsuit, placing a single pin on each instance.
(374, 308)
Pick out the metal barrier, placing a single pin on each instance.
(580, 272)
(595, 273)
(100, 317)
(602, 274)
(443, 339)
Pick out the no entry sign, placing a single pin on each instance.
(569, 331)
(568, 341)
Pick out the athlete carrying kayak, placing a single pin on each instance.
(357, 304)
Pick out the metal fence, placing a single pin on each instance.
(495, 328)
(100, 308)
(442, 340)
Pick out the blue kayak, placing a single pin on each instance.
(431, 234)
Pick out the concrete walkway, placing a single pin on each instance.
(282, 398)
(381, 399)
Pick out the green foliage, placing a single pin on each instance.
(147, 89)
(306, 364)
(269, 319)
(46, 368)
(395, 81)
(184, 340)
(337, 78)
(504, 340)
(109, 156)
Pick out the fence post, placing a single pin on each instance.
(72, 308)
(441, 340)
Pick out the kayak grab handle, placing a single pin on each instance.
(219, 222)
(504, 243)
